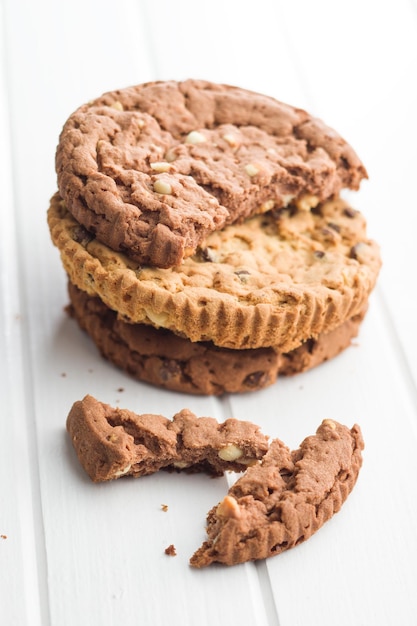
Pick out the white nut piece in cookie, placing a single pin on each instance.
(231, 452)
(158, 319)
(195, 137)
(123, 471)
(267, 206)
(307, 201)
(251, 169)
(117, 105)
(228, 507)
(231, 140)
(161, 186)
(330, 423)
(181, 464)
(170, 155)
(287, 199)
(161, 166)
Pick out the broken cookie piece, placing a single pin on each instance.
(113, 442)
(283, 500)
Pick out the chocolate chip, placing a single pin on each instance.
(81, 235)
(316, 210)
(256, 379)
(354, 251)
(349, 212)
(243, 275)
(319, 254)
(206, 254)
(334, 226)
(289, 211)
(310, 344)
(169, 369)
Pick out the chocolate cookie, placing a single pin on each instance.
(151, 170)
(160, 357)
(275, 280)
(112, 442)
(286, 498)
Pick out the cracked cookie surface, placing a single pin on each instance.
(153, 169)
(160, 357)
(275, 280)
(282, 501)
(112, 442)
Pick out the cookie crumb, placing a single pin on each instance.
(3, 536)
(121, 389)
(171, 550)
(164, 507)
(63, 374)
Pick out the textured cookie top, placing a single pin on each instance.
(153, 169)
(282, 501)
(274, 280)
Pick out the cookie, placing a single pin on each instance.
(152, 169)
(113, 442)
(277, 279)
(160, 357)
(282, 501)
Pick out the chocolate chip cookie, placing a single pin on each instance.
(277, 279)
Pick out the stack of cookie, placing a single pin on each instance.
(207, 246)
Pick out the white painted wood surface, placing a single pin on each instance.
(74, 553)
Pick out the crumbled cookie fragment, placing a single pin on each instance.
(171, 550)
(284, 499)
(112, 442)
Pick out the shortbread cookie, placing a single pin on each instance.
(159, 357)
(153, 169)
(112, 442)
(275, 280)
(286, 498)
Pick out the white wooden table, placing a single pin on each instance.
(73, 553)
